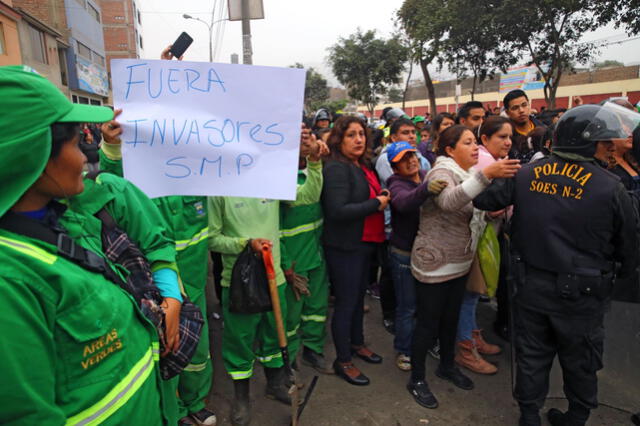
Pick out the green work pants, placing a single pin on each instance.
(244, 332)
(306, 317)
(194, 382)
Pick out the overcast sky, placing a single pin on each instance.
(297, 30)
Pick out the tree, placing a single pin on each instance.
(424, 23)
(549, 31)
(608, 63)
(367, 66)
(623, 13)
(394, 94)
(316, 90)
(473, 46)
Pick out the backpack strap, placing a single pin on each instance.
(65, 245)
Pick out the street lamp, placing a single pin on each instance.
(210, 27)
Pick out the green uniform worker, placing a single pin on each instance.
(136, 215)
(186, 220)
(301, 247)
(233, 221)
(75, 348)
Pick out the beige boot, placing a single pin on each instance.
(469, 358)
(483, 347)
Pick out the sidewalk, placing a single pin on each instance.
(386, 402)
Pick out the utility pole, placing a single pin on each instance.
(246, 34)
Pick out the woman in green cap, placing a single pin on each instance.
(75, 348)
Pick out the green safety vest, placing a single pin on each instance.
(301, 233)
(186, 223)
(75, 348)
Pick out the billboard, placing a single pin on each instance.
(92, 78)
(525, 77)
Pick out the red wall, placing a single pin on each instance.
(594, 99)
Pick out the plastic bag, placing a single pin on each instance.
(489, 257)
(249, 289)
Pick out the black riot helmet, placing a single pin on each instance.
(580, 128)
(321, 114)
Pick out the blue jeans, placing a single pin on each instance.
(405, 289)
(467, 322)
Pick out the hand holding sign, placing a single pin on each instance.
(209, 129)
(111, 130)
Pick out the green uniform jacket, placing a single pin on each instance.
(131, 209)
(234, 220)
(300, 234)
(75, 347)
(185, 218)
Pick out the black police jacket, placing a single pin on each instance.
(569, 216)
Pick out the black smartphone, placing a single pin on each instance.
(181, 44)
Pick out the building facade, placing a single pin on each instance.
(10, 53)
(86, 58)
(591, 86)
(122, 26)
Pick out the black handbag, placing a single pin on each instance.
(249, 289)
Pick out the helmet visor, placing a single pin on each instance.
(612, 122)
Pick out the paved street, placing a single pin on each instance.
(387, 403)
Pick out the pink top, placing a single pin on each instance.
(485, 158)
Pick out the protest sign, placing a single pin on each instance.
(194, 128)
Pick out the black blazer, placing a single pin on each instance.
(345, 204)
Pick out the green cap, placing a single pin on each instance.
(417, 119)
(30, 104)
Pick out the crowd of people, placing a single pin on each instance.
(104, 290)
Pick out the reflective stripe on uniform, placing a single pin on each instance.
(118, 396)
(200, 236)
(269, 357)
(29, 250)
(294, 331)
(155, 348)
(315, 318)
(239, 375)
(301, 229)
(197, 367)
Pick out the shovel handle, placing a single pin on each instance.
(267, 258)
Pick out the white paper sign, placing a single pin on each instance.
(193, 128)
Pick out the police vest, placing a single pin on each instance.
(563, 218)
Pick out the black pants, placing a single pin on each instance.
(437, 311)
(502, 292)
(349, 271)
(387, 290)
(547, 325)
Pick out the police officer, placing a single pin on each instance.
(322, 119)
(573, 222)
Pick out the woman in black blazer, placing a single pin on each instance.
(352, 203)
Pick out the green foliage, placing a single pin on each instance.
(394, 94)
(316, 90)
(623, 13)
(608, 63)
(333, 106)
(424, 24)
(367, 66)
(472, 46)
(549, 31)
